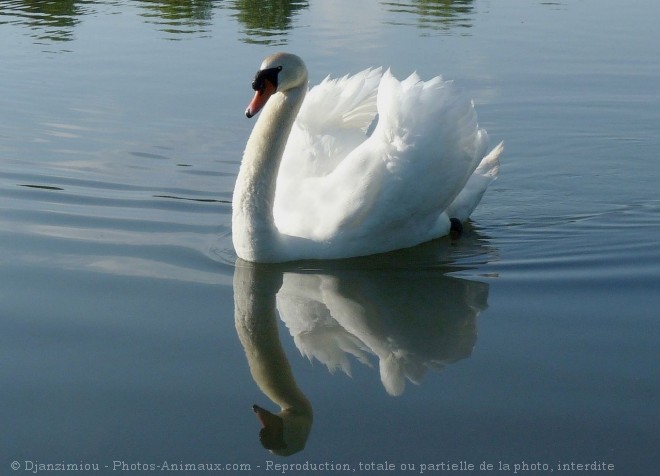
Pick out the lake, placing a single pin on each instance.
(529, 345)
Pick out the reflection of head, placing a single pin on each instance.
(271, 434)
(283, 434)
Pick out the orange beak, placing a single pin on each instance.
(260, 98)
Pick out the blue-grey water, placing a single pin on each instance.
(530, 344)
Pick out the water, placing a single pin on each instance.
(531, 340)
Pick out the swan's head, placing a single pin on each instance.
(278, 72)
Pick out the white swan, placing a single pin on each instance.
(363, 164)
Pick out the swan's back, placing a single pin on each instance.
(373, 163)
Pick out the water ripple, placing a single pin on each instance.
(77, 223)
(615, 244)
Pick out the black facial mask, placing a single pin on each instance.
(262, 75)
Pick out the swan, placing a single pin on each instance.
(358, 165)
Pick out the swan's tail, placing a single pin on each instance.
(487, 171)
(490, 165)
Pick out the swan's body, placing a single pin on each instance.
(364, 164)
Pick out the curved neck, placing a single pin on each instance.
(253, 225)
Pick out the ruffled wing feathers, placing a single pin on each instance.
(348, 102)
(373, 158)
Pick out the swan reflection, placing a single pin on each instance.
(407, 320)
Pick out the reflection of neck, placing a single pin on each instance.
(256, 324)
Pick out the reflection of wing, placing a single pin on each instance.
(315, 332)
(410, 321)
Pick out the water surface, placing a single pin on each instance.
(531, 339)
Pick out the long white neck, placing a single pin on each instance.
(254, 232)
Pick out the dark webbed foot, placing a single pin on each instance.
(456, 229)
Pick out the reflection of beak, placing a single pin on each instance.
(272, 431)
(260, 98)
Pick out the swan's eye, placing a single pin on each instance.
(263, 75)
